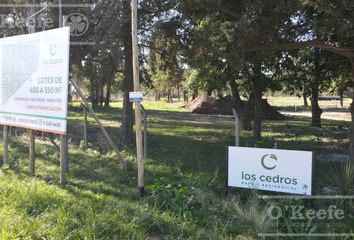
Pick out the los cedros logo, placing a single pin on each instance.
(269, 163)
(271, 156)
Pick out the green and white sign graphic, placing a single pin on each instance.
(34, 73)
(270, 169)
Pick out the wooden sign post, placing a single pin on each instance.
(63, 160)
(6, 145)
(138, 123)
(32, 153)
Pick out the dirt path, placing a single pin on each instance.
(329, 114)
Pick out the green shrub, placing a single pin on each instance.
(251, 216)
(340, 178)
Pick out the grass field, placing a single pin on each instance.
(185, 179)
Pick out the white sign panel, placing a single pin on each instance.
(270, 169)
(34, 72)
(136, 97)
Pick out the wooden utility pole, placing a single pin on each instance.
(138, 124)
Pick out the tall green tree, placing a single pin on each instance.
(269, 26)
(223, 31)
(165, 61)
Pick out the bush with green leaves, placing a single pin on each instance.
(340, 178)
(250, 215)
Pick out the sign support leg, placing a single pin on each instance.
(32, 153)
(6, 145)
(66, 153)
(63, 161)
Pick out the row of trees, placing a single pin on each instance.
(191, 46)
(251, 47)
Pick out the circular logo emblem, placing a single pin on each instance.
(266, 164)
(53, 50)
(78, 24)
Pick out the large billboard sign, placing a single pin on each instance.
(34, 73)
(270, 169)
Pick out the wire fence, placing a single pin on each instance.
(292, 132)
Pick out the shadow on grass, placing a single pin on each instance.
(176, 150)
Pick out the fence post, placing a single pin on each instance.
(6, 145)
(145, 131)
(105, 134)
(237, 128)
(85, 126)
(32, 153)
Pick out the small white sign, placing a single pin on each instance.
(270, 169)
(136, 97)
